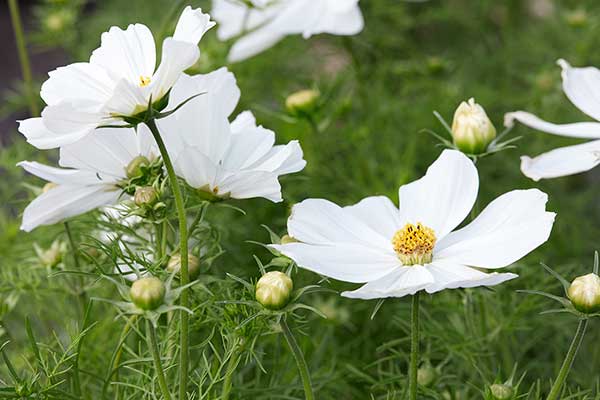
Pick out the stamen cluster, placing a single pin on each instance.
(414, 244)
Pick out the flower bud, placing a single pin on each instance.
(273, 290)
(502, 391)
(472, 130)
(52, 256)
(147, 293)
(134, 168)
(303, 102)
(426, 375)
(584, 293)
(174, 265)
(145, 195)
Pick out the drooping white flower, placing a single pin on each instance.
(581, 85)
(237, 159)
(267, 22)
(398, 252)
(119, 80)
(93, 169)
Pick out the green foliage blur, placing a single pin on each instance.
(379, 90)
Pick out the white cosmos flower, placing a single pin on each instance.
(237, 159)
(267, 22)
(398, 252)
(94, 167)
(582, 87)
(119, 80)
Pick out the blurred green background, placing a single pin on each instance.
(379, 91)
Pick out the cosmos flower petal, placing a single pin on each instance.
(66, 201)
(108, 151)
(510, 227)
(254, 43)
(249, 184)
(400, 282)
(77, 82)
(321, 222)
(583, 130)
(283, 159)
(377, 212)
(444, 196)
(59, 175)
(129, 54)
(451, 276)
(177, 56)
(192, 25)
(582, 87)
(563, 161)
(346, 262)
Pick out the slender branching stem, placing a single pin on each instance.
(300, 361)
(568, 362)
(414, 348)
(231, 366)
(160, 373)
(183, 248)
(15, 16)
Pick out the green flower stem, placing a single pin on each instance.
(153, 344)
(414, 348)
(80, 290)
(15, 17)
(300, 361)
(183, 248)
(568, 362)
(231, 366)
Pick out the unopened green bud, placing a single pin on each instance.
(302, 102)
(584, 293)
(148, 293)
(48, 186)
(273, 290)
(145, 195)
(58, 20)
(426, 375)
(286, 239)
(174, 265)
(577, 18)
(502, 391)
(134, 168)
(472, 130)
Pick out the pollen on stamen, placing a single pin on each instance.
(414, 244)
(144, 81)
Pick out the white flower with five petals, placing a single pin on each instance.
(582, 87)
(238, 159)
(267, 22)
(398, 252)
(119, 81)
(93, 169)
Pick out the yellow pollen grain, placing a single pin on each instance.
(144, 81)
(414, 243)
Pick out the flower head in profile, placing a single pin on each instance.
(220, 158)
(398, 252)
(581, 85)
(96, 168)
(119, 81)
(260, 24)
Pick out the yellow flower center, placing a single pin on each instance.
(414, 244)
(144, 81)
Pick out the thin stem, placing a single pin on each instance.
(568, 362)
(414, 348)
(15, 17)
(81, 289)
(153, 345)
(183, 248)
(300, 361)
(231, 366)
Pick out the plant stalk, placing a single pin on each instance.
(231, 366)
(568, 362)
(153, 344)
(15, 17)
(183, 248)
(80, 290)
(300, 361)
(414, 348)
